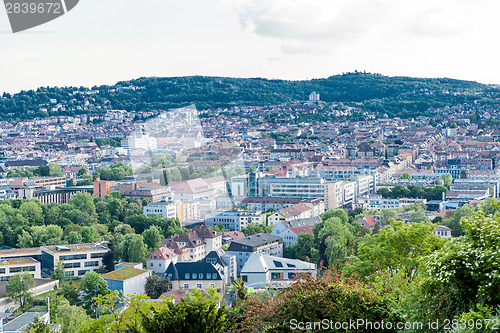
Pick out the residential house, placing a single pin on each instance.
(159, 260)
(201, 275)
(259, 243)
(262, 270)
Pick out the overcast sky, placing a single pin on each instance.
(105, 41)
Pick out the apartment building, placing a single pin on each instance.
(235, 221)
(259, 243)
(200, 275)
(164, 208)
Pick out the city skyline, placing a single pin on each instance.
(105, 42)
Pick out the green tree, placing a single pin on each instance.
(152, 238)
(70, 292)
(70, 317)
(396, 248)
(253, 229)
(405, 175)
(447, 179)
(466, 272)
(39, 326)
(82, 172)
(110, 320)
(133, 248)
(32, 211)
(84, 202)
(89, 234)
(184, 316)
(156, 286)
(463, 174)
(92, 285)
(58, 272)
(74, 238)
(19, 289)
(55, 170)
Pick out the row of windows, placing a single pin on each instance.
(22, 269)
(72, 265)
(199, 276)
(186, 286)
(91, 264)
(73, 257)
(6, 278)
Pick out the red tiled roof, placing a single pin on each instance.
(303, 229)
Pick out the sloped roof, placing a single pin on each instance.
(163, 253)
(308, 229)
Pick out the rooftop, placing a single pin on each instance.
(20, 261)
(75, 248)
(123, 274)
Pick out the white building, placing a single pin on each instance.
(10, 267)
(78, 258)
(261, 270)
(166, 209)
(442, 231)
(127, 280)
(159, 260)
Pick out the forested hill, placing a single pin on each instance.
(395, 96)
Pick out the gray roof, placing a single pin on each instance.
(17, 325)
(302, 222)
(248, 244)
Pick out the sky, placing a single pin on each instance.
(105, 41)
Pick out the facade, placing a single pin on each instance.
(196, 243)
(10, 267)
(261, 270)
(103, 188)
(264, 204)
(227, 261)
(60, 195)
(192, 190)
(442, 231)
(200, 275)
(235, 221)
(159, 260)
(78, 258)
(127, 280)
(259, 243)
(291, 235)
(166, 209)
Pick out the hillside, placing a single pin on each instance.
(395, 96)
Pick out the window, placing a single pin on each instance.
(169, 275)
(277, 263)
(91, 264)
(198, 286)
(291, 276)
(151, 264)
(244, 278)
(95, 255)
(170, 286)
(276, 276)
(72, 265)
(2, 270)
(186, 286)
(187, 276)
(73, 257)
(214, 276)
(159, 265)
(200, 276)
(82, 271)
(69, 273)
